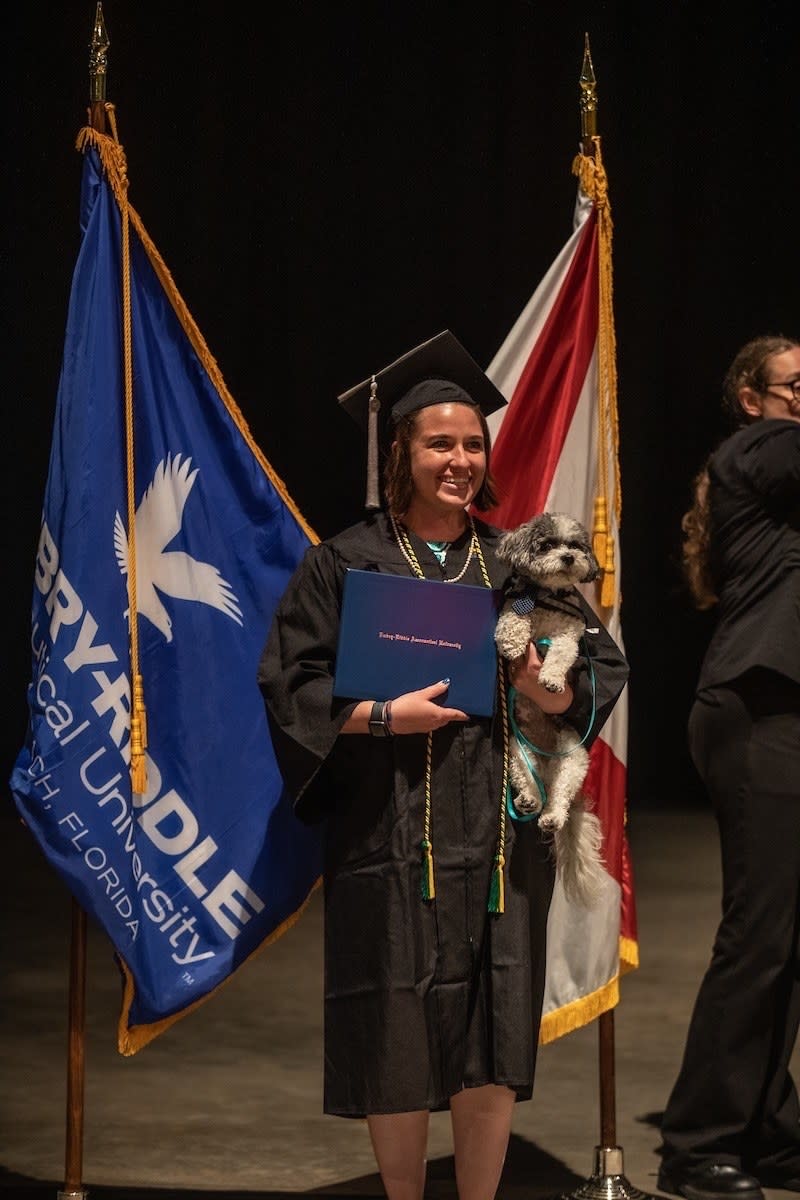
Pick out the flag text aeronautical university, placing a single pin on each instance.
(193, 876)
(545, 458)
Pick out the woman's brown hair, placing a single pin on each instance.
(748, 369)
(696, 526)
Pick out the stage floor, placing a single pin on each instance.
(227, 1103)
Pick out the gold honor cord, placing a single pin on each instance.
(594, 184)
(112, 157)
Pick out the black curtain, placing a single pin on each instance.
(330, 184)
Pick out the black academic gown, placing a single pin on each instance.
(422, 997)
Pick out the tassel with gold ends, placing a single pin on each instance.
(428, 886)
(603, 548)
(497, 894)
(138, 738)
(600, 529)
(588, 166)
(608, 586)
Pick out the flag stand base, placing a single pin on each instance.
(608, 1180)
(81, 1194)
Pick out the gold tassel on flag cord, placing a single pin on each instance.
(112, 157)
(593, 181)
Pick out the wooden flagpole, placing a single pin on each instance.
(76, 1055)
(608, 1180)
(73, 1188)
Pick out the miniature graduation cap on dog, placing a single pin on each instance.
(439, 371)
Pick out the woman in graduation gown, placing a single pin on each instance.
(432, 1001)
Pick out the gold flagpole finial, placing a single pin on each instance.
(98, 60)
(588, 98)
(98, 63)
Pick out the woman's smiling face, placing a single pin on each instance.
(448, 456)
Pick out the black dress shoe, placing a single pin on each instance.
(713, 1181)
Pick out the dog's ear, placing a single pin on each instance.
(581, 533)
(593, 566)
(512, 544)
(501, 549)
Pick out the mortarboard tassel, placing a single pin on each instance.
(373, 500)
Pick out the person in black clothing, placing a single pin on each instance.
(433, 995)
(732, 1122)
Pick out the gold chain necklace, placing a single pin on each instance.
(496, 902)
(407, 550)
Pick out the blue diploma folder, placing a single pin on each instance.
(399, 634)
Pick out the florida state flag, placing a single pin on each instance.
(555, 448)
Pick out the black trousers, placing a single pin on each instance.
(734, 1100)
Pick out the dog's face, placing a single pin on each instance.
(552, 549)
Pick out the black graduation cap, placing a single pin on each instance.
(435, 372)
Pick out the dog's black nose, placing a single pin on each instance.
(568, 559)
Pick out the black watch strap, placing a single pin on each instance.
(377, 720)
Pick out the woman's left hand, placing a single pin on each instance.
(524, 676)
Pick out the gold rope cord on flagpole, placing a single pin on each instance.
(112, 156)
(113, 160)
(594, 183)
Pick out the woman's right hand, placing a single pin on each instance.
(416, 712)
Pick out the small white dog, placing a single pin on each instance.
(548, 556)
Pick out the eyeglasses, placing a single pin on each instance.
(793, 384)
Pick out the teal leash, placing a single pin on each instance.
(525, 744)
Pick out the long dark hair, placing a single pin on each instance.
(398, 485)
(748, 369)
(696, 527)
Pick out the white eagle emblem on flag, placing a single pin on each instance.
(172, 573)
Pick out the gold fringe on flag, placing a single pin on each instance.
(580, 1012)
(594, 184)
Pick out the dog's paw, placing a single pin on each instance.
(550, 685)
(525, 806)
(550, 823)
(526, 802)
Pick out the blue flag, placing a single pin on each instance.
(207, 864)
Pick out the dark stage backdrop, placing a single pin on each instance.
(330, 184)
